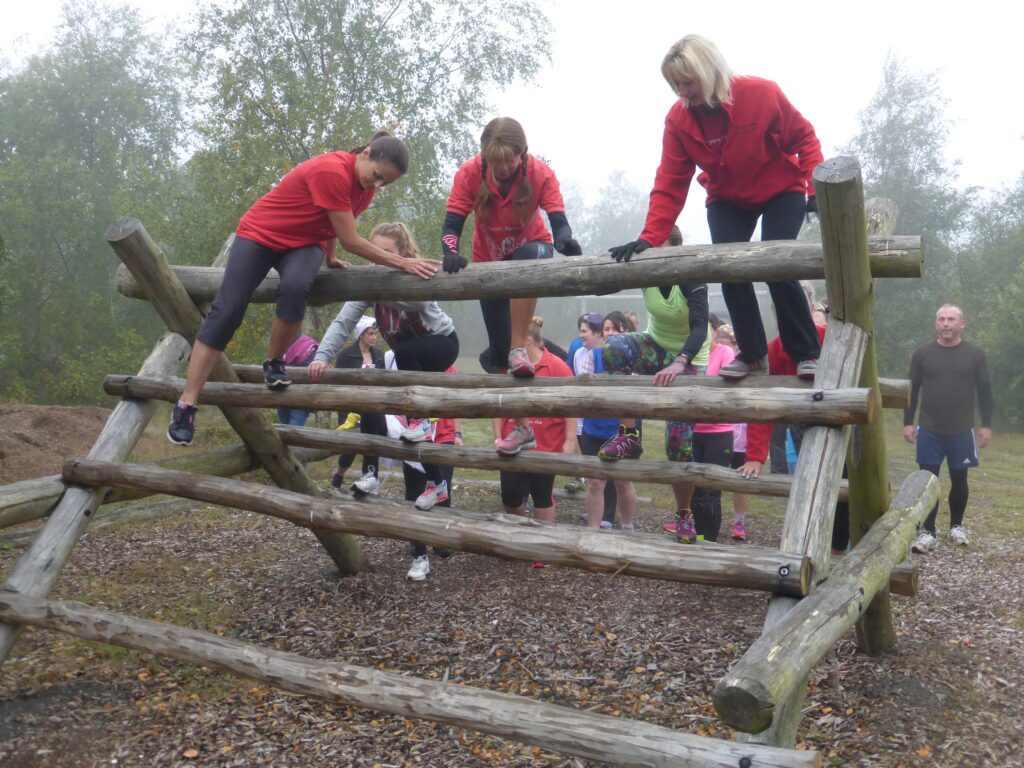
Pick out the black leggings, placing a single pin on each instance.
(248, 264)
(781, 218)
(516, 486)
(428, 353)
(369, 424)
(710, 448)
(496, 312)
(958, 493)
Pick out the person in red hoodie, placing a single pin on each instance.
(756, 153)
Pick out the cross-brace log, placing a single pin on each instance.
(851, 289)
(153, 274)
(767, 261)
(33, 499)
(895, 392)
(609, 740)
(780, 660)
(789, 406)
(35, 573)
(495, 534)
(811, 509)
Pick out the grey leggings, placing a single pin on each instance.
(248, 264)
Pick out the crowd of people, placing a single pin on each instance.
(756, 154)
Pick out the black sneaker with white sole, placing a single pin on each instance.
(275, 375)
(182, 428)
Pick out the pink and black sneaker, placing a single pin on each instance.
(625, 445)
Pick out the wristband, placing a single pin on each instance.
(681, 359)
(458, 435)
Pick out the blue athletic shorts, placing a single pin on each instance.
(958, 450)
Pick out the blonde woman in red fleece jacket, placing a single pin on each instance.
(756, 153)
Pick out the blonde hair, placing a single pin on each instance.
(534, 332)
(399, 232)
(697, 58)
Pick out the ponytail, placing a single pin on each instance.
(384, 146)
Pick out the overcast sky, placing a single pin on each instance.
(601, 103)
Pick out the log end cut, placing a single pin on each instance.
(743, 703)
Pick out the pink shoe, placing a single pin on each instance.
(739, 531)
(519, 439)
(686, 531)
(519, 364)
(625, 445)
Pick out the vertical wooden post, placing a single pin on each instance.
(36, 571)
(844, 238)
(149, 267)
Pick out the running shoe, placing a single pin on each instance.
(519, 364)
(417, 431)
(274, 374)
(519, 439)
(625, 445)
(182, 428)
(806, 369)
(419, 569)
(958, 535)
(739, 369)
(739, 531)
(432, 494)
(924, 543)
(686, 531)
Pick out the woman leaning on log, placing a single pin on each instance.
(756, 153)
(292, 229)
(506, 188)
(420, 334)
(675, 343)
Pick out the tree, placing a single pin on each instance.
(88, 134)
(616, 217)
(901, 146)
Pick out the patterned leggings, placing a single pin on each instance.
(629, 353)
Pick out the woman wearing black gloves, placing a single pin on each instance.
(756, 153)
(505, 187)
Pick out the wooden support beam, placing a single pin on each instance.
(36, 571)
(497, 534)
(608, 740)
(780, 660)
(577, 276)
(702, 475)
(895, 392)
(811, 509)
(800, 406)
(851, 290)
(33, 499)
(153, 274)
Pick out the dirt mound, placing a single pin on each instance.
(37, 439)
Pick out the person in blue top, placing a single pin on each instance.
(596, 432)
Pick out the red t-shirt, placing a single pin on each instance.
(444, 429)
(549, 431)
(294, 213)
(503, 231)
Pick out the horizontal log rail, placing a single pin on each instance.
(831, 407)
(497, 535)
(30, 500)
(778, 661)
(895, 392)
(570, 465)
(756, 262)
(589, 735)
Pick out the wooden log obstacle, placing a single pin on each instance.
(811, 605)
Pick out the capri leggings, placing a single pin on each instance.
(629, 353)
(516, 486)
(248, 264)
(498, 317)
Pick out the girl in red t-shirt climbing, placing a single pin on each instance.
(506, 188)
(292, 229)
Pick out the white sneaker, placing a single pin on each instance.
(417, 431)
(366, 485)
(419, 569)
(433, 494)
(958, 535)
(924, 543)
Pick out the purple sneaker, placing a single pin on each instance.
(625, 445)
(686, 531)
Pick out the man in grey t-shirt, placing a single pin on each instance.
(946, 376)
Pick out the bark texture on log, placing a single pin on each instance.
(498, 535)
(782, 657)
(592, 736)
(789, 406)
(575, 276)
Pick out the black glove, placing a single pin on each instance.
(453, 262)
(567, 246)
(812, 204)
(625, 252)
